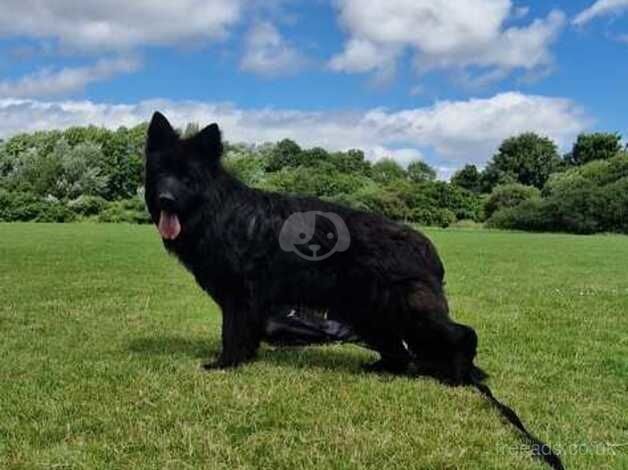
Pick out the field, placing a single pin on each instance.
(101, 336)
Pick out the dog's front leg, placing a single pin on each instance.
(241, 334)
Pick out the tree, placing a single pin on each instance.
(492, 177)
(528, 158)
(468, 178)
(351, 161)
(387, 170)
(285, 154)
(595, 146)
(81, 171)
(420, 171)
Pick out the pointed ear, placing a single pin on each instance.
(161, 135)
(209, 141)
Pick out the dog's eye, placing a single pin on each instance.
(330, 236)
(302, 236)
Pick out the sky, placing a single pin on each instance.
(436, 80)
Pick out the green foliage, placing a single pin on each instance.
(322, 180)
(587, 199)
(286, 154)
(87, 205)
(79, 160)
(386, 170)
(599, 172)
(509, 195)
(464, 204)
(468, 178)
(95, 173)
(420, 171)
(386, 200)
(91, 172)
(246, 163)
(532, 215)
(528, 158)
(351, 161)
(492, 177)
(595, 146)
(22, 207)
(132, 211)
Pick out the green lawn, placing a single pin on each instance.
(102, 333)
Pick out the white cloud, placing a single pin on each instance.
(443, 34)
(116, 24)
(600, 8)
(268, 53)
(48, 82)
(455, 132)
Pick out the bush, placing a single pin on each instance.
(87, 205)
(132, 211)
(435, 217)
(26, 207)
(585, 208)
(384, 201)
(532, 215)
(50, 211)
(432, 195)
(509, 195)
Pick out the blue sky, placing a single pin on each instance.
(437, 80)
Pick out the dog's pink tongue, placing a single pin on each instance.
(169, 226)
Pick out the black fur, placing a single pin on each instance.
(387, 283)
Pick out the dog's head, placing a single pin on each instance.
(178, 171)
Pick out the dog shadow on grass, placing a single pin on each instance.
(346, 358)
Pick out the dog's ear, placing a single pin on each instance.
(161, 135)
(209, 142)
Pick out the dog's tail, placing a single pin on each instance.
(539, 448)
(477, 374)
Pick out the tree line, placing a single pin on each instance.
(91, 173)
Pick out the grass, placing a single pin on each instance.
(101, 335)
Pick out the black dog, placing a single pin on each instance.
(253, 250)
(256, 252)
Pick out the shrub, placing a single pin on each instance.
(586, 208)
(51, 211)
(132, 211)
(509, 195)
(383, 201)
(26, 207)
(431, 195)
(436, 217)
(87, 205)
(532, 215)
